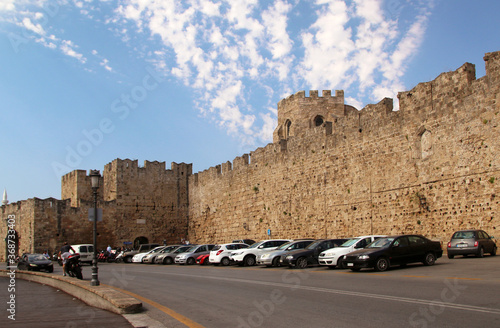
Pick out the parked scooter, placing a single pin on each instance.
(119, 258)
(73, 266)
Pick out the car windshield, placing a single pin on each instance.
(168, 249)
(182, 249)
(285, 245)
(380, 243)
(314, 245)
(256, 244)
(37, 257)
(350, 242)
(463, 235)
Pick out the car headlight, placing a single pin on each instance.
(363, 257)
(289, 257)
(181, 256)
(328, 254)
(264, 256)
(33, 265)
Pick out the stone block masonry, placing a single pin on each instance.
(431, 168)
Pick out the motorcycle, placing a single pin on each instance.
(102, 257)
(73, 266)
(119, 258)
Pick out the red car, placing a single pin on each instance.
(203, 259)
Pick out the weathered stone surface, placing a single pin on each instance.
(431, 167)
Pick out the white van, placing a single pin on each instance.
(86, 252)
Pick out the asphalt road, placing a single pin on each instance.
(463, 292)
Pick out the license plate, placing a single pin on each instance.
(462, 245)
(350, 264)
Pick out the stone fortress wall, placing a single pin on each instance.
(332, 171)
(431, 167)
(147, 203)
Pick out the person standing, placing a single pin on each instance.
(64, 253)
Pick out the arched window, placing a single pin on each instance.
(288, 125)
(318, 120)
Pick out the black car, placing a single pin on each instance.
(394, 250)
(302, 258)
(35, 262)
(471, 242)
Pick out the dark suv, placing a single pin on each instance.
(474, 242)
(302, 258)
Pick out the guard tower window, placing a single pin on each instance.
(318, 120)
(288, 124)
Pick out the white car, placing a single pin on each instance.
(137, 258)
(248, 256)
(333, 257)
(220, 253)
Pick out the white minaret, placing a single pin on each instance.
(4, 200)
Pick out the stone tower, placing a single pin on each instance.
(298, 113)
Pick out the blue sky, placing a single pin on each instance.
(197, 81)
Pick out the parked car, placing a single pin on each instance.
(249, 255)
(394, 250)
(137, 258)
(86, 252)
(151, 256)
(35, 262)
(473, 242)
(272, 257)
(203, 259)
(189, 256)
(168, 258)
(302, 258)
(249, 242)
(333, 257)
(220, 253)
(127, 256)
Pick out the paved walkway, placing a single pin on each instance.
(38, 305)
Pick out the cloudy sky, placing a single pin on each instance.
(83, 82)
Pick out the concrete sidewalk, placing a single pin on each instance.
(38, 305)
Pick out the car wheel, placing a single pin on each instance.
(119, 260)
(249, 260)
(127, 259)
(190, 261)
(450, 256)
(50, 270)
(382, 264)
(167, 260)
(276, 261)
(225, 261)
(481, 252)
(301, 263)
(429, 259)
(340, 263)
(494, 251)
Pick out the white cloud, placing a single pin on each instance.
(67, 48)
(35, 28)
(7, 5)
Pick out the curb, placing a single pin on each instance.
(101, 297)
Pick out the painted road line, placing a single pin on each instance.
(179, 317)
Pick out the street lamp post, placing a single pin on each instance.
(94, 178)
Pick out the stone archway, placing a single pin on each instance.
(139, 241)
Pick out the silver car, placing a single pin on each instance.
(189, 256)
(151, 257)
(272, 257)
(168, 258)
